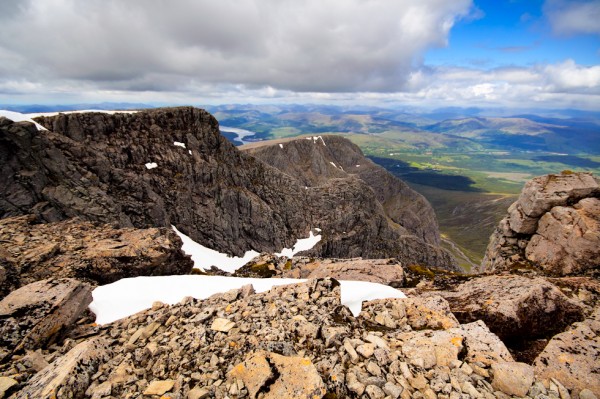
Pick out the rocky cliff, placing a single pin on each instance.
(315, 161)
(553, 227)
(93, 166)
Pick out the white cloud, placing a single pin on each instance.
(573, 16)
(309, 45)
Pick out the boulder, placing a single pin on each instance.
(34, 315)
(483, 345)
(572, 356)
(567, 240)
(279, 376)
(383, 271)
(70, 375)
(513, 306)
(93, 252)
(553, 227)
(512, 378)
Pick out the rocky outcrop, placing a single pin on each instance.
(91, 252)
(383, 271)
(513, 306)
(572, 356)
(553, 227)
(92, 166)
(70, 375)
(315, 161)
(35, 315)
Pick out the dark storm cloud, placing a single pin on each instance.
(311, 45)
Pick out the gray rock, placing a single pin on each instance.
(69, 375)
(35, 314)
(91, 166)
(568, 356)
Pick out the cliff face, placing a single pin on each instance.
(553, 227)
(316, 161)
(93, 166)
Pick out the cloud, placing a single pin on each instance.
(573, 16)
(309, 45)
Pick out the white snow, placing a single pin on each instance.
(20, 117)
(204, 257)
(280, 145)
(302, 244)
(131, 295)
(241, 133)
(178, 144)
(190, 151)
(334, 165)
(151, 165)
(318, 230)
(358, 166)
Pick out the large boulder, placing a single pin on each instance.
(553, 227)
(567, 240)
(573, 356)
(35, 315)
(93, 252)
(513, 306)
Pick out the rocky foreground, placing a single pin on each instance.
(294, 341)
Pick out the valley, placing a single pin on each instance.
(470, 168)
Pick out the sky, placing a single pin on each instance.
(425, 53)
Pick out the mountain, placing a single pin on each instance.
(317, 160)
(171, 166)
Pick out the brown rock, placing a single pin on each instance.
(34, 315)
(512, 378)
(572, 356)
(69, 376)
(159, 387)
(6, 383)
(84, 250)
(295, 377)
(513, 306)
(482, 345)
(383, 271)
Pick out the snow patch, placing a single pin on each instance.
(302, 244)
(190, 151)
(280, 145)
(20, 117)
(358, 166)
(151, 165)
(204, 257)
(131, 295)
(178, 144)
(334, 165)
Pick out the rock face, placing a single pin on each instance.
(87, 251)
(315, 161)
(513, 306)
(34, 315)
(92, 166)
(554, 226)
